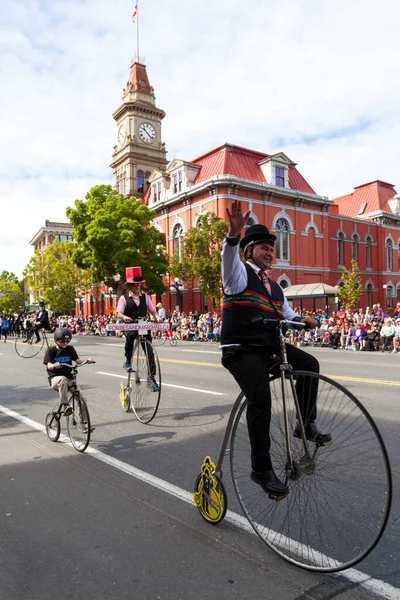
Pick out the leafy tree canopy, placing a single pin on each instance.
(54, 277)
(201, 255)
(349, 293)
(114, 232)
(11, 293)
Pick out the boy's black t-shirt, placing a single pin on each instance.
(63, 355)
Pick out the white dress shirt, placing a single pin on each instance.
(234, 276)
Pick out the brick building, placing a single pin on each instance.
(316, 236)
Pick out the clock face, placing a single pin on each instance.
(142, 83)
(147, 133)
(122, 134)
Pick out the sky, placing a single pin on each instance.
(317, 80)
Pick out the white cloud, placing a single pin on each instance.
(317, 80)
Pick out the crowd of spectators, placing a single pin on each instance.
(359, 330)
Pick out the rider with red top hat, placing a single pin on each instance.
(132, 305)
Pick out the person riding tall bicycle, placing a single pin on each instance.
(132, 306)
(42, 322)
(249, 350)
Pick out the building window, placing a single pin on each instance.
(250, 222)
(369, 294)
(280, 176)
(175, 182)
(146, 177)
(140, 182)
(389, 296)
(154, 193)
(354, 250)
(340, 248)
(63, 238)
(368, 253)
(180, 179)
(282, 239)
(159, 191)
(177, 235)
(398, 257)
(389, 254)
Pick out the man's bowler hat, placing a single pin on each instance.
(255, 234)
(134, 275)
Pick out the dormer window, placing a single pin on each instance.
(154, 193)
(159, 191)
(175, 183)
(180, 180)
(280, 176)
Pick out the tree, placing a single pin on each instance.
(11, 293)
(201, 255)
(114, 232)
(54, 277)
(349, 293)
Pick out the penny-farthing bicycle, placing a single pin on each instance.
(339, 494)
(142, 391)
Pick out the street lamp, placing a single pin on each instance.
(79, 301)
(177, 288)
(111, 296)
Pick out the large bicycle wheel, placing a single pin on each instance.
(78, 424)
(157, 339)
(146, 381)
(339, 498)
(28, 347)
(52, 424)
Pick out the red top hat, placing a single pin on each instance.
(134, 275)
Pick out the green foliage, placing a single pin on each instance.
(349, 293)
(53, 276)
(11, 293)
(114, 232)
(201, 255)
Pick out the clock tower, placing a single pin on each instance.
(138, 149)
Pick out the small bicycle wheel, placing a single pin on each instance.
(173, 342)
(145, 381)
(78, 424)
(156, 338)
(209, 494)
(28, 347)
(125, 396)
(339, 494)
(53, 427)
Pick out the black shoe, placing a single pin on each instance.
(269, 482)
(313, 434)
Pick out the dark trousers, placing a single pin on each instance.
(252, 367)
(130, 340)
(34, 331)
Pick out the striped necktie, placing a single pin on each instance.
(265, 280)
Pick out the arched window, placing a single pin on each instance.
(140, 181)
(389, 296)
(398, 293)
(282, 239)
(340, 248)
(389, 254)
(368, 245)
(354, 247)
(398, 256)
(250, 221)
(369, 294)
(284, 284)
(91, 304)
(177, 235)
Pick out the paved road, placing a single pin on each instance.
(110, 524)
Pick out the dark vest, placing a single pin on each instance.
(239, 309)
(132, 310)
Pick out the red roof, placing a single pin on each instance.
(366, 198)
(242, 162)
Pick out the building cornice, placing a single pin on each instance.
(138, 107)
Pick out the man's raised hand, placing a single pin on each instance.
(237, 220)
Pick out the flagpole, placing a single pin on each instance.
(137, 30)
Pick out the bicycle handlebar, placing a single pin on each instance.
(281, 322)
(85, 362)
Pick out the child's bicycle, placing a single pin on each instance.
(78, 423)
(339, 494)
(142, 391)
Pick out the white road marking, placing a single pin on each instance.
(381, 588)
(179, 387)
